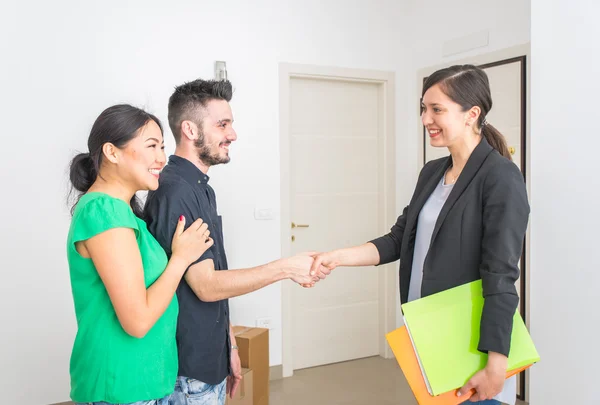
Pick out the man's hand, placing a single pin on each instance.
(322, 266)
(487, 383)
(298, 268)
(233, 380)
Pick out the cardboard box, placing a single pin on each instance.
(244, 394)
(253, 346)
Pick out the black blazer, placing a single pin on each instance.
(478, 235)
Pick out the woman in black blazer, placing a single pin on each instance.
(466, 220)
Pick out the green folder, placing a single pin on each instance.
(444, 329)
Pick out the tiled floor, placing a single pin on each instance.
(361, 382)
(371, 381)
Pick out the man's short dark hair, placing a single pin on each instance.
(190, 97)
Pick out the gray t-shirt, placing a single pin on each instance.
(427, 219)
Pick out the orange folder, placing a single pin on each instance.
(399, 341)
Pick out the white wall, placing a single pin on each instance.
(427, 26)
(565, 274)
(63, 62)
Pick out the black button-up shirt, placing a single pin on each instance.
(203, 327)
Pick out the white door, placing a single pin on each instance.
(505, 84)
(335, 142)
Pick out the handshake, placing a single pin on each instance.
(308, 268)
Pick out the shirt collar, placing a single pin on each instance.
(188, 170)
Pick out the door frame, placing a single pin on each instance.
(388, 284)
(520, 54)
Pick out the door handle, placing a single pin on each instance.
(298, 226)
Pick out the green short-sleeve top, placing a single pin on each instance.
(107, 364)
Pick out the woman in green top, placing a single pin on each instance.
(123, 285)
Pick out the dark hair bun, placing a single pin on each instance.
(82, 172)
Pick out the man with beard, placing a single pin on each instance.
(209, 366)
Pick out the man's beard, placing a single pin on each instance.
(205, 155)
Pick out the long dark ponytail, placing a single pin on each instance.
(468, 86)
(117, 125)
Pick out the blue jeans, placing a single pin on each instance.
(162, 401)
(193, 392)
(486, 402)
